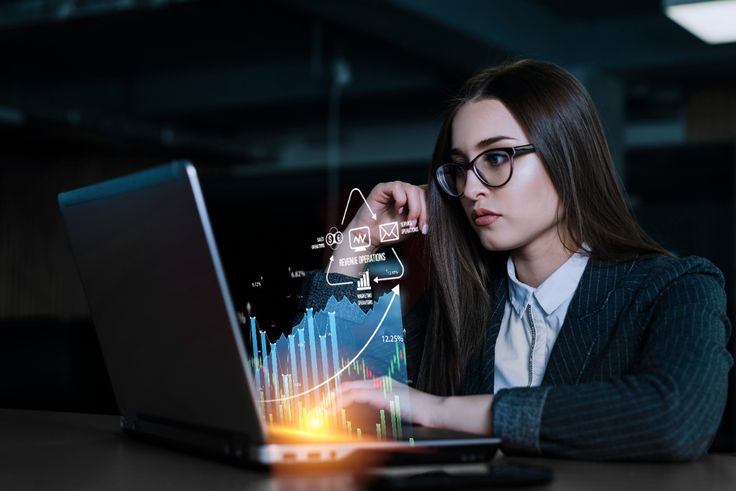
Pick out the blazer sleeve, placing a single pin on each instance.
(316, 291)
(668, 407)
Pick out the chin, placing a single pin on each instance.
(495, 242)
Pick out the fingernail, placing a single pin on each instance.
(425, 229)
(413, 223)
(401, 210)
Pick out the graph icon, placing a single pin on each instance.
(360, 238)
(364, 283)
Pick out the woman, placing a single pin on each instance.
(552, 320)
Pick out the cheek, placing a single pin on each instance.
(533, 200)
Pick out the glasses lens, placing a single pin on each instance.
(451, 178)
(494, 167)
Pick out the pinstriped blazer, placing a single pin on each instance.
(638, 371)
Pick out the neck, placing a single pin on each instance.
(536, 261)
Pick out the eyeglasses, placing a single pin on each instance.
(493, 168)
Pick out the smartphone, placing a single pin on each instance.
(493, 475)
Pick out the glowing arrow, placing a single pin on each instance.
(373, 215)
(327, 275)
(395, 294)
(377, 279)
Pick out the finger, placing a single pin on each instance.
(354, 386)
(400, 195)
(415, 205)
(371, 396)
(385, 194)
(423, 211)
(424, 215)
(346, 386)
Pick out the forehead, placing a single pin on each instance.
(482, 119)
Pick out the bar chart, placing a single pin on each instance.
(297, 377)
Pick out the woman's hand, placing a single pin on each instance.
(471, 414)
(423, 409)
(390, 202)
(393, 201)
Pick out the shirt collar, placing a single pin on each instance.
(554, 291)
(518, 291)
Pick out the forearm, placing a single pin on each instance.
(639, 417)
(470, 414)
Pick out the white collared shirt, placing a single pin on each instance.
(532, 320)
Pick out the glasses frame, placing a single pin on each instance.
(511, 151)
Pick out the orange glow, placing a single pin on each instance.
(311, 436)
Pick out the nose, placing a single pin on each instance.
(474, 188)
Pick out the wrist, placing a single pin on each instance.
(436, 416)
(344, 253)
(470, 414)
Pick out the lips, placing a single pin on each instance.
(481, 216)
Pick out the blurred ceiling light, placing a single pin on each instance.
(713, 21)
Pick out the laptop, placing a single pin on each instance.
(189, 370)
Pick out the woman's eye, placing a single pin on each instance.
(496, 158)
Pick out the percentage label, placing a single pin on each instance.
(392, 339)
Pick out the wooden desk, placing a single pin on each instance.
(50, 450)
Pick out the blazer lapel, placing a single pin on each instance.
(587, 322)
(500, 295)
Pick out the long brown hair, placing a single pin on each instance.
(560, 119)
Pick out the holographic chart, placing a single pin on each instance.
(298, 369)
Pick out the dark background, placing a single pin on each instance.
(315, 96)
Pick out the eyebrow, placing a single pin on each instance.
(482, 144)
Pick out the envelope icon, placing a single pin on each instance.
(388, 231)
